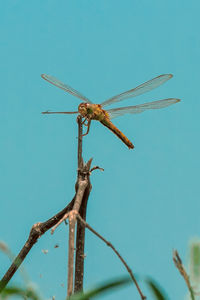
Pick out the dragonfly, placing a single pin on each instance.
(91, 111)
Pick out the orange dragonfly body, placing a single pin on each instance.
(90, 111)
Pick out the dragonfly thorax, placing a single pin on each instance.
(92, 111)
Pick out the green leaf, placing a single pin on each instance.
(157, 291)
(194, 263)
(24, 293)
(101, 289)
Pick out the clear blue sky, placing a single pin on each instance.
(147, 200)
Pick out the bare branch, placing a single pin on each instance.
(96, 168)
(36, 232)
(83, 188)
(80, 243)
(70, 279)
(116, 252)
(79, 195)
(64, 218)
(72, 223)
(80, 231)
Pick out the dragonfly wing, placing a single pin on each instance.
(116, 112)
(65, 87)
(141, 89)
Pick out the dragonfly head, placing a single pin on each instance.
(84, 109)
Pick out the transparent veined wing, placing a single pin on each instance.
(116, 112)
(65, 87)
(141, 89)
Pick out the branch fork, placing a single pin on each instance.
(75, 211)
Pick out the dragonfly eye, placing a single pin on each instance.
(83, 109)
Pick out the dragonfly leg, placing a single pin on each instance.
(88, 127)
(83, 123)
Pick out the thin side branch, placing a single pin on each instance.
(116, 252)
(96, 168)
(36, 232)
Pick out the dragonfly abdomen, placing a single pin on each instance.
(117, 132)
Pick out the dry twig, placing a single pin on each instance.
(80, 230)
(36, 232)
(116, 252)
(40, 228)
(178, 263)
(96, 168)
(83, 188)
(72, 223)
(76, 212)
